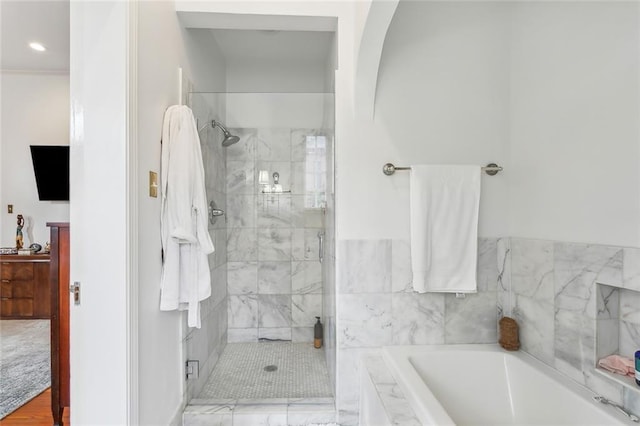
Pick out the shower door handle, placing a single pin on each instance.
(320, 246)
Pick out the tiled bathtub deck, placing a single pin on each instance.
(240, 391)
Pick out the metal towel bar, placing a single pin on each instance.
(491, 169)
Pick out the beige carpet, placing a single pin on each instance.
(25, 362)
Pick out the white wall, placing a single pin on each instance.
(163, 46)
(35, 111)
(574, 172)
(303, 110)
(275, 76)
(159, 332)
(549, 90)
(442, 98)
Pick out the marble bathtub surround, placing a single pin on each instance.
(396, 406)
(573, 302)
(274, 277)
(569, 299)
(376, 306)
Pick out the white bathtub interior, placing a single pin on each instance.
(483, 384)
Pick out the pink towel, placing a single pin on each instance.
(618, 364)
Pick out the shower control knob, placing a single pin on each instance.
(214, 212)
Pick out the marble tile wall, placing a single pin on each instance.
(573, 302)
(576, 303)
(207, 343)
(376, 306)
(274, 275)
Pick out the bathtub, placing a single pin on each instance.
(485, 385)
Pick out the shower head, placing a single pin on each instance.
(229, 139)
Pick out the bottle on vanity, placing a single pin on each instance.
(318, 335)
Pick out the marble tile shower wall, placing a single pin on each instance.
(207, 343)
(376, 306)
(274, 276)
(576, 303)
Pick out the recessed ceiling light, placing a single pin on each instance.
(37, 46)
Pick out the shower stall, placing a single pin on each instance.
(271, 221)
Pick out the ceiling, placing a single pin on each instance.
(46, 22)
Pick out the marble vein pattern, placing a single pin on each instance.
(242, 277)
(349, 369)
(243, 311)
(305, 308)
(418, 319)
(366, 267)
(536, 327)
(241, 177)
(274, 277)
(242, 245)
(274, 310)
(532, 269)
(365, 321)
(396, 406)
(240, 211)
(608, 302)
(274, 211)
(274, 244)
(575, 350)
(401, 266)
(576, 269)
(472, 319)
(487, 268)
(629, 338)
(306, 277)
(503, 263)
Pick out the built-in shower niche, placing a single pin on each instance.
(617, 328)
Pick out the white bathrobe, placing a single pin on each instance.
(186, 242)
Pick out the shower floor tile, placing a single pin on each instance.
(240, 373)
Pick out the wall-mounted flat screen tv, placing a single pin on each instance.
(51, 167)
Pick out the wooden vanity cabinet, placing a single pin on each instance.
(24, 287)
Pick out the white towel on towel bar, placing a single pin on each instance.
(444, 227)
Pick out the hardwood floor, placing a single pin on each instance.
(36, 412)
